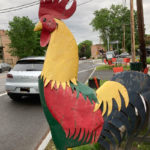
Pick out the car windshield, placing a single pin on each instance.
(29, 65)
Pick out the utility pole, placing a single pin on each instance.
(132, 31)
(124, 38)
(141, 31)
(108, 43)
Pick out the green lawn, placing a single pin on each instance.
(51, 146)
(107, 67)
(148, 60)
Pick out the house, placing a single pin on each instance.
(5, 55)
(97, 50)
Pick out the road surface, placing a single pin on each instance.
(23, 124)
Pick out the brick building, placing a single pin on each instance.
(96, 50)
(5, 56)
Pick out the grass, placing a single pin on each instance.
(102, 82)
(107, 67)
(148, 60)
(51, 146)
(88, 147)
(136, 146)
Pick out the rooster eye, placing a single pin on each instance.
(44, 20)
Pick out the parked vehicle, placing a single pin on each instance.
(22, 80)
(4, 67)
(148, 51)
(124, 55)
(110, 55)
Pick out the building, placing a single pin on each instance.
(97, 50)
(5, 56)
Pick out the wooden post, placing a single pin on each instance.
(124, 38)
(132, 31)
(141, 31)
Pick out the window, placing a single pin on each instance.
(29, 65)
(1, 52)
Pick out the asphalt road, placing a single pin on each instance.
(2, 82)
(23, 124)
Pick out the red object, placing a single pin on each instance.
(146, 70)
(117, 69)
(9, 76)
(50, 9)
(114, 59)
(105, 61)
(72, 113)
(96, 82)
(56, 9)
(110, 63)
(126, 60)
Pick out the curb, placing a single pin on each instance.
(45, 141)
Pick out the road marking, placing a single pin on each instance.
(90, 75)
(85, 70)
(3, 94)
(45, 142)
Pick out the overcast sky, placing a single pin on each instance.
(79, 22)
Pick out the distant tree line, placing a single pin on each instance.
(110, 22)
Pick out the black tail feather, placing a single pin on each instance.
(129, 121)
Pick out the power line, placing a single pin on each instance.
(16, 8)
(85, 3)
(35, 2)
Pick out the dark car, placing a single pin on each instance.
(4, 67)
(148, 51)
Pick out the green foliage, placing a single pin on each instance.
(24, 41)
(110, 22)
(85, 49)
(148, 60)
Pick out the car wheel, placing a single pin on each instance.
(15, 97)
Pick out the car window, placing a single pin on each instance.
(29, 65)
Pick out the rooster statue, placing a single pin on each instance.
(78, 115)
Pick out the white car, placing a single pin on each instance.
(22, 80)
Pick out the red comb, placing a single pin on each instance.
(56, 8)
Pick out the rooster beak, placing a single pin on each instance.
(38, 26)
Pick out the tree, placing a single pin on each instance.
(110, 22)
(85, 49)
(24, 41)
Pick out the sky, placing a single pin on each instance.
(79, 23)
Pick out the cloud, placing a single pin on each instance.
(79, 22)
